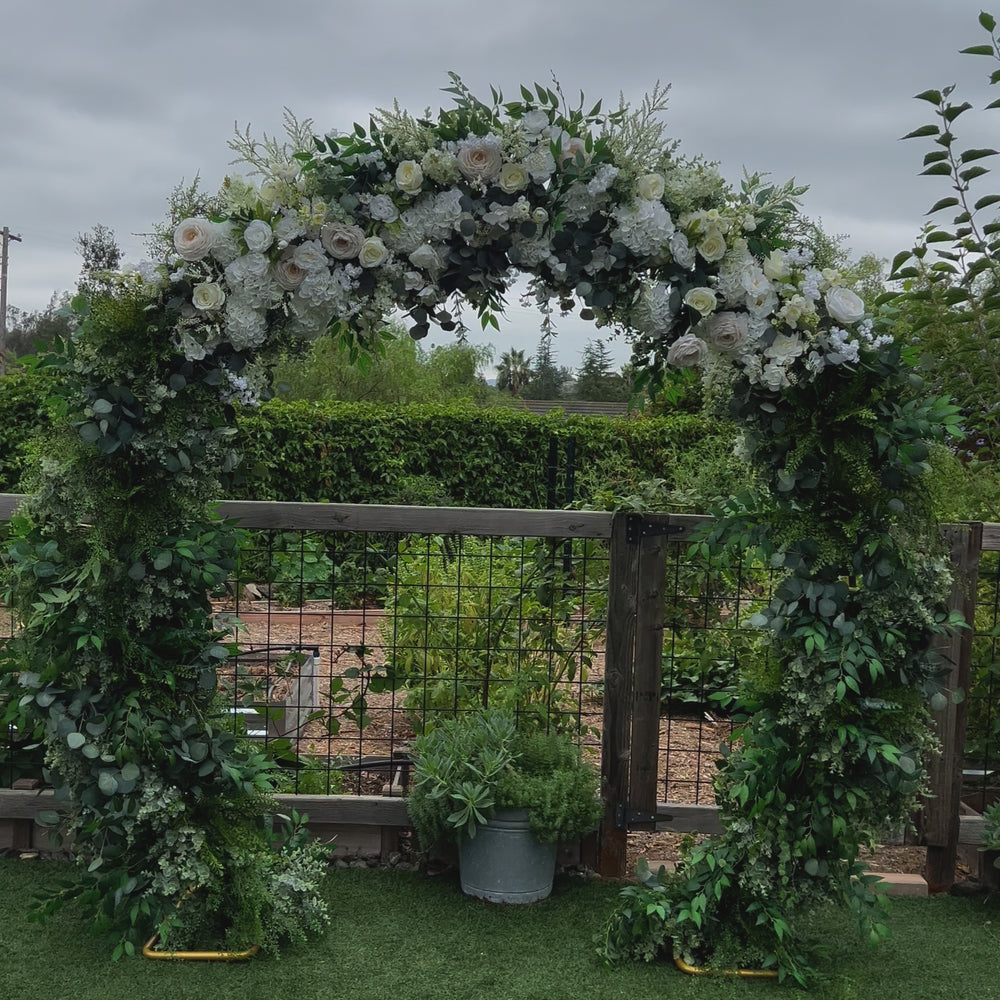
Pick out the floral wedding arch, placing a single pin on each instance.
(111, 561)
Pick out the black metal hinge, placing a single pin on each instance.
(637, 528)
(626, 816)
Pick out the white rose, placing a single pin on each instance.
(426, 258)
(288, 274)
(844, 305)
(726, 331)
(479, 159)
(513, 178)
(650, 187)
(712, 245)
(774, 266)
(688, 351)
(573, 146)
(533, 122)
(701, 300)
(785, 348)
(340, 241)
(409, 177)
(540, 163)
(310, 256)
(208, 296)
(539, 216)
(373, 252)
(383, 208)
(258, 236)
(194, 238)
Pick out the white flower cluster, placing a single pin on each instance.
(357, 234)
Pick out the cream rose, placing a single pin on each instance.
(844, 305)
(688, 351)
(340, 241)
(208, 296)
(650, 187)
(409, 177)
(513, 178)
(712, 246)
(194, 238)
(373, 252)
(479, 159)
(701, 300)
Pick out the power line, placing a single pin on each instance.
(7, 237)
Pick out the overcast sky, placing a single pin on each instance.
(108, 104)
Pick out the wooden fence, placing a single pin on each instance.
(637, 549)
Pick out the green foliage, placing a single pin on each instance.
(108, 568)
(950, 287)
(493, 622)
(467, 767)
(357, 453)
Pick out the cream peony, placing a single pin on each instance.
(725, 331)
(480, 159)
(688, 351)
(194, 238)
(208, 296)
(340, 241)
(844, 305)
(288, 274)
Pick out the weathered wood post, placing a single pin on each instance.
(939, 821)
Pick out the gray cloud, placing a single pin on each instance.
(110, 103)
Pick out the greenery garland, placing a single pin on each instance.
(112, 559)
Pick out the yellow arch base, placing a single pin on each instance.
(148, 951)
(692, 970)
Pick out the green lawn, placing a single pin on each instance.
(403, 936)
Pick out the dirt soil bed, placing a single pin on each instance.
(688, 746)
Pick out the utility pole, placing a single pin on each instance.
(7, 237)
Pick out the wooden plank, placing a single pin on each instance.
(418, 520)
(686, 818)
(970, 830)
(8, 503)
(991, 538)
(940, 815)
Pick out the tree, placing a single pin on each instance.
(403, 373)
(547, 378)
(27, 331)
(596, 378)
(101, 259)
(513, 372)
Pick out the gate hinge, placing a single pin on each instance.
(637, 528)
(626, 816)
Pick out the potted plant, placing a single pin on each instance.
(507, 796)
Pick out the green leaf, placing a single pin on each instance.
(987, 20)
(163, 559)
(922, 132)
(976, 154)
(943, 203)
(977, 50)
(937, 170)
(75, 740)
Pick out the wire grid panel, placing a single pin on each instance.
(707, 643)
(981, 764)
(394, 630)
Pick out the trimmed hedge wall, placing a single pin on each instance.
(457, 454)
(358, 453)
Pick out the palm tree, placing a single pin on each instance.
(513, 372)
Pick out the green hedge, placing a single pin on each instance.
(456, 454)
(459, 454)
